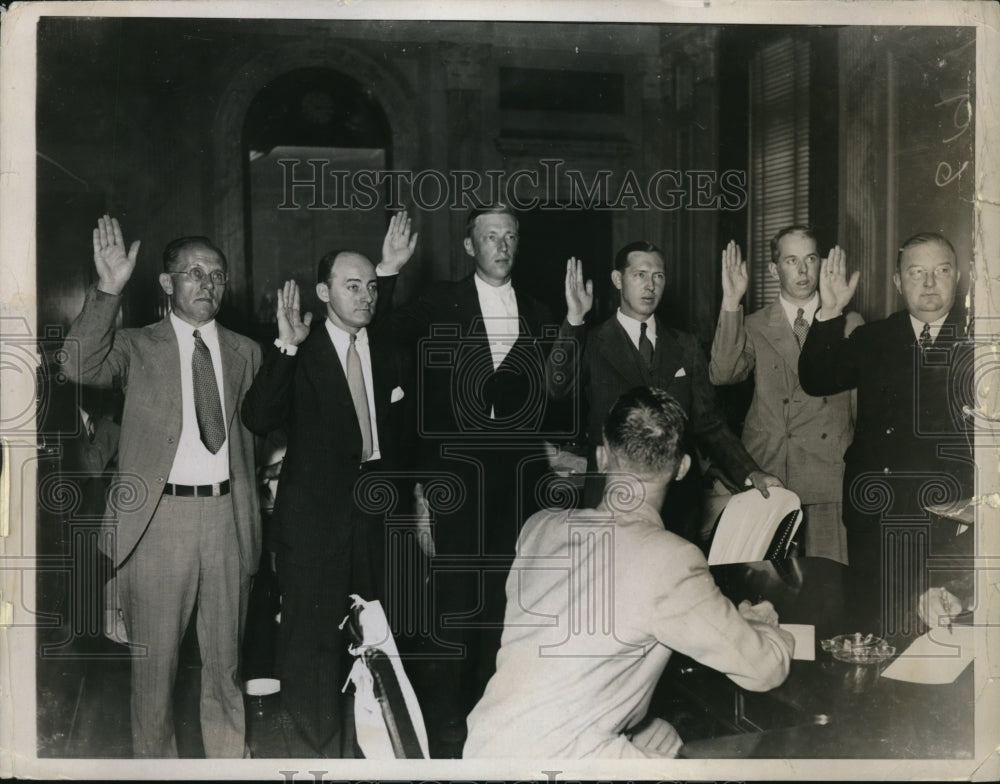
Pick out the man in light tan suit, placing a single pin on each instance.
(798, 438)
(185, 526)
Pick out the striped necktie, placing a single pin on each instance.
(925, 339)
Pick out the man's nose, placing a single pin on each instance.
(929, 279)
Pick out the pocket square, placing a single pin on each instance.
(397, 395)
(680, 373)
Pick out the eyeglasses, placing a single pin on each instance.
(198, 275)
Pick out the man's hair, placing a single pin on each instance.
(496, 209)
(325, 269)
(645, 430)
(621, 257)
(798, 228)
(172, 252)
(921, 239)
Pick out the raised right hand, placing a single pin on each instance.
(579, 295)
(114, 265)
(292, 327)
(734, 276)
(835, 290)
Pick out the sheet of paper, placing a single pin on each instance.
(937, 657)
(805, 639)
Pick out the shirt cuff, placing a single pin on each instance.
(381, 273)
(286, 348)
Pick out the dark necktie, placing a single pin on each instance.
(645, 345)
(925, 339)
(800, 327)
(356, 381)
(207, 405)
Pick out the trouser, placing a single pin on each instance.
(189, 555)
(826, 536)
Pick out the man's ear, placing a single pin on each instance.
(774, 270)
(602, 458)
(323, 292)
(683, 467)
(616, 279)
(469, 248)
(166, 283)
(897, 282)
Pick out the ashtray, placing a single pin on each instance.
(858, 648)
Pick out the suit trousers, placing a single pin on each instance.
(826, 536)
(188, 556)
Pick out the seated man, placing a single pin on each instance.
(598, 599)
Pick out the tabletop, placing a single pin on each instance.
(825, 708)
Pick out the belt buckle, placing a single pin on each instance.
(216, 488)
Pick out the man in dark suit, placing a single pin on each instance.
(912, 442)
(343, 397)
(185, 516)
(482, 406)
(634, 348)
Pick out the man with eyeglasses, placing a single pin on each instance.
(912, 442)
(799, 438)
(184, 528)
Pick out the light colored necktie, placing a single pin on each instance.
(800, 327)
(925, 337)
(645, 345)
(207, 405)
(356, 381)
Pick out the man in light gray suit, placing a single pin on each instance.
(798, 438)
(186, 527)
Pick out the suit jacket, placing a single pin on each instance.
(145, 363)
(799, 438)
(912, 443)
(610, 365)
(308, 395)
(458, 383)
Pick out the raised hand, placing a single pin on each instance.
(425, 536)
(292, 327)
(835, 290)
(579, 295)
(398, 245)
(734, 276)
(114, 264)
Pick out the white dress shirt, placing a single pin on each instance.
(341, 342)
(193, 463)
(808, 310)
(633, 327)
(499, 306)
(918, 326)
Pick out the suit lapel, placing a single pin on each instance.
(167, 375)
(233, 367)
(616, 349)
(666, 354)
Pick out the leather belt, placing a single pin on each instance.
(197, 491)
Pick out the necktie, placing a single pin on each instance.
(356, 381)
(925, 337)
(800, 327)
(207, 405)
(645, 345)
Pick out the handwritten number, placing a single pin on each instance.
(944, 175)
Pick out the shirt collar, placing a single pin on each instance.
(183, 329)
(808, 310)
(918, 326)
(342, 338)
(502, 292)
(634, 326)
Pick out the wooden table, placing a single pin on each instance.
(825, 708)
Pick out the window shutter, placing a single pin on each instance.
(779, 153)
